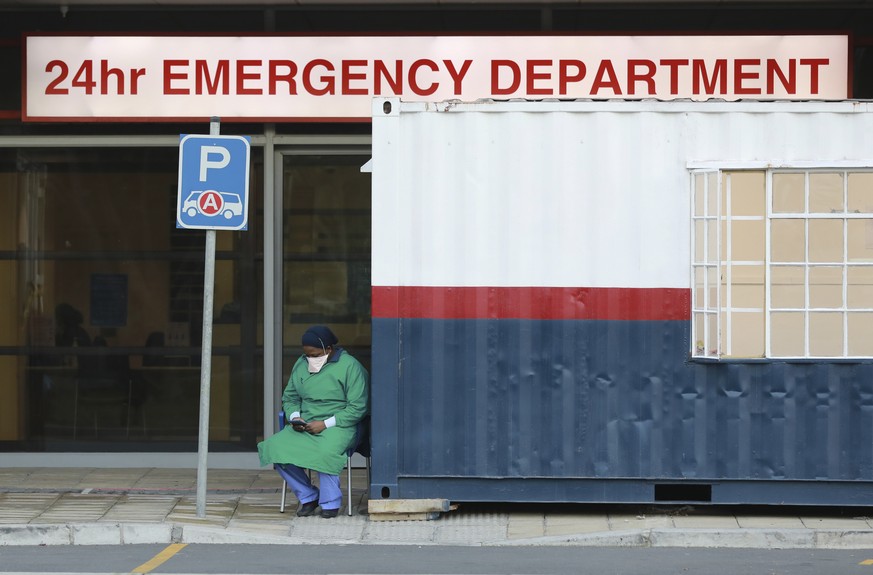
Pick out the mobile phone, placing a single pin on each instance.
(298, 423)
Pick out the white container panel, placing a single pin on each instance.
(567, 194)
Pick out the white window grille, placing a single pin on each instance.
(782, 263)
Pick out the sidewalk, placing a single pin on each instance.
(87, 506)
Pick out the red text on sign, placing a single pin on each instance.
(105, 80)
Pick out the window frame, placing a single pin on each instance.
(723, 314)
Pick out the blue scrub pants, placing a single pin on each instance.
(328, 492)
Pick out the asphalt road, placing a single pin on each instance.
(411, 559)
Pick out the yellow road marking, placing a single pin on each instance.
(866, 562)
(160, 558)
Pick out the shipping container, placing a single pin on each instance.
(623, 301)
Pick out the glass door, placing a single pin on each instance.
(326, 250)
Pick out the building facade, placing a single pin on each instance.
(101, 295)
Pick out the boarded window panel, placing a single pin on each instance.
(826, 241)
(712, 191)
(826, 193)
(825, 287)
(747, 240)
(698, 194)
(747, 334)
(787, 240)
(788, 193)
(787, 287)
(860, 287)
(860, 240)
(787, 334)
(861, 192)
(825, 334)
(748, 193)
(699, 228)
(747, 289)
(699, 291)
(747, 295)
(860, 334)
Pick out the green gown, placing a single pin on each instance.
(342, 390)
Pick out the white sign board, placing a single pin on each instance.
(129, 78)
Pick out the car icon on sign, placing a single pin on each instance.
(212, 203)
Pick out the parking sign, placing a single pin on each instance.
(213, 182)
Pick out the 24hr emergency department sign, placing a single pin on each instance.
(266, 78)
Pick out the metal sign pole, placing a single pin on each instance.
(206, 354)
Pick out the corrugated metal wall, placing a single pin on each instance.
(494, 380)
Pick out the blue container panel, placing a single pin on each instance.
(605, 399)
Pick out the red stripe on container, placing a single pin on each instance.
(531, 303)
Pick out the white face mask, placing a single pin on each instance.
(316, 363)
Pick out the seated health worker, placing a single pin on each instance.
(326, 396)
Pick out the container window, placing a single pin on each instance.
(796, 264)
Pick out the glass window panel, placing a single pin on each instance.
(788, 193)
(860, 192)
(860, 332)
(107, 306)
(699, 331)
(712, 328)
(825, 193)
(860, 241)
(698, 194)
(826, 241)
(712, 241)
(787, 287)
(712, 193)
(747, 240)
(748, 193)
(860, 287)
(747, 334)
(825, 287)
(787, 334)
(787, 240)
(825, 334)
(712, 280)
(699, 241)
(699, 289)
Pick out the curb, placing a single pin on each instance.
(712, 538)
(166, 533)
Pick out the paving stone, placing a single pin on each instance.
(24, 507)
(111, 478)
(219, 510)
(273, 527)
(77, 508)
(834, 523)
(571, 524)
(622, 522)
(400, 531)
(469, 534)
(706, 522)
(526, 525)
(769, 522)
(141, 508)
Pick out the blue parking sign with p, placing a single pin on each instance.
(213, 182)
